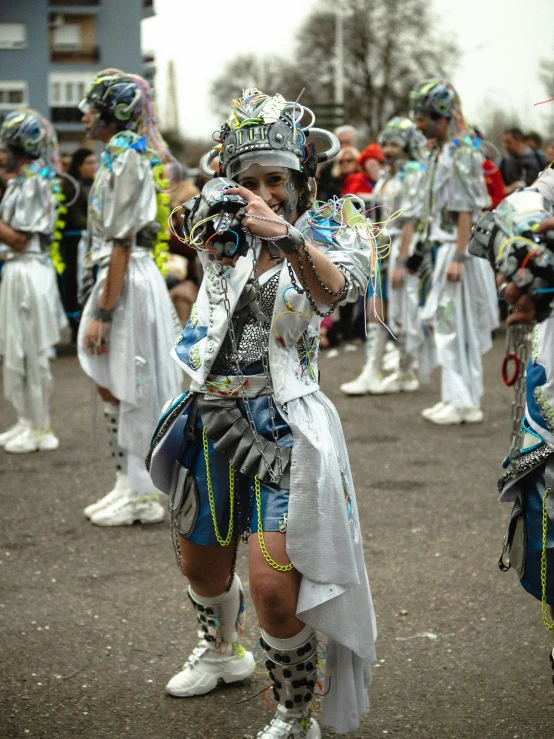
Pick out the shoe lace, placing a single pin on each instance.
(196, 655)
(281, 726)
(203, 646)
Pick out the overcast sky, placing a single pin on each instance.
(502, 42)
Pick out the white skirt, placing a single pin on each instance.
(324, 541)
(463, 316)
(137, 368)
(31, 320)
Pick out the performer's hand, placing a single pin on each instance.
(454, 272)
(522, 303)
(96, 337)
(257, 206)
(397, 278)
(546, 225)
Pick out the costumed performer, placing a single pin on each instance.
(31, 313)
(458, 291)
(259, 449)
(127, 328)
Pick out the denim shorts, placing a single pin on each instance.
(273, 500)
(533, 488)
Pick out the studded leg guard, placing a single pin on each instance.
(220, 618)
(292, 665)
(111, 413)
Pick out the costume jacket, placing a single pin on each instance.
(323, 532)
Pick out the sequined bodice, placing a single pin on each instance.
(253, 338)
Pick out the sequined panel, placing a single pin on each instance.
(254, 334)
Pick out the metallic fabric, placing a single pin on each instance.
(254, 336)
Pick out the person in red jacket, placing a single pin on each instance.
(371, 160)
(494, 182)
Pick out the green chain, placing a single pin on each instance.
(223, 542)
(268, 558)
(549, 625)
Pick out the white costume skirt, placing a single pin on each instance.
(463, 316)
(31, 319)
(324, 541)
(137, 368)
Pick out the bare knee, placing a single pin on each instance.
(273, 597)
(106, 395)
(207, 568)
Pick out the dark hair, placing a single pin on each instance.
(306, 191)
(516, 132)
(536, 137)
(77, 160)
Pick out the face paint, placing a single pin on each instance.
(291, 200)
(275, 185)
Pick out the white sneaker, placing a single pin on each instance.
(287, 726)
(391, 360)
(368, 382)
(21, 426)
(32, 440)
(400, 382)
(428, 412)
(449, 415)
(119, 490)
(126, 510)
(472, 415)
(206, 666)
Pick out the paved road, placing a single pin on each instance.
(94, 621)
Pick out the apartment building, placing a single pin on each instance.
(51, 49)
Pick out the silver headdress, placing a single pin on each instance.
(267, 130)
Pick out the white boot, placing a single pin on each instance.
(118, 491)
(219, 655)
(370, 381)
(121, 498)
(292, 665)
(16, 430)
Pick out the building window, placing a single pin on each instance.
(67, 36)
(66, 90)
(73, 38)
(13, 35)
(13, 95)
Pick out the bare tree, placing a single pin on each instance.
(270, 74)
(388, 46)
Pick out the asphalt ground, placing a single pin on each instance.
(94, 621)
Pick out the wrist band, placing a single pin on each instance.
(103, 315)
(459, 258)
(292, 242)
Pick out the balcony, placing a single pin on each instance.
(76, 56)
(65, 115)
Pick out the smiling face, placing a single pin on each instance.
(276, 187)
